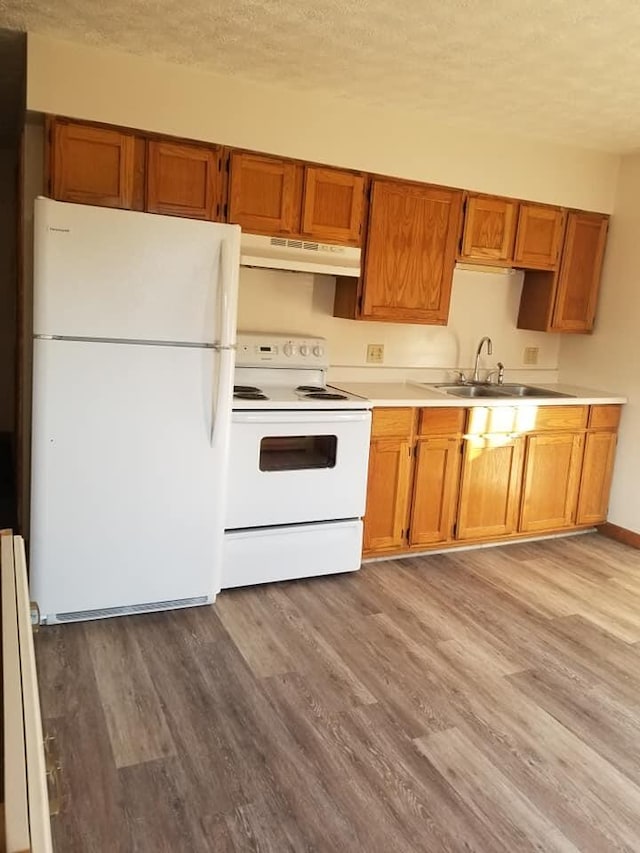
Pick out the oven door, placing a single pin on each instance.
(294, 467)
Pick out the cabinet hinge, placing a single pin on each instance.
(408, 533)
(454, 530)
(228, 164)
(226, 211)
(360, 303)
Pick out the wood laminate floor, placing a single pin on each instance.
(487, 700)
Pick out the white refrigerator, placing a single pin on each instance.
(134, 335)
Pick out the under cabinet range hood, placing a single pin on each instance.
(282, 253)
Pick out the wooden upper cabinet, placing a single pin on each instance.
(539, 237)
(94, 165)
(333, 203)
(489, 230)
(410, 253)
(490, 486)
(580, 270)
(264, 193)
(183, 180)
(551, 481)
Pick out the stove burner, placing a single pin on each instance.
(249, 395)
(317, 388)
(246, 389)
(325, 395)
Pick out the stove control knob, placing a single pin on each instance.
(304, 350)
(318, 351)
(289, 349)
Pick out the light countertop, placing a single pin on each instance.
(417, 394)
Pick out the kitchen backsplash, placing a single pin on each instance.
(482, 303)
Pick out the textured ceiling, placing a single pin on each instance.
(565, 70)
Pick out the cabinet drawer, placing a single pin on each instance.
(392, 421)
(441, 421)
(560, 418)
(605, 417)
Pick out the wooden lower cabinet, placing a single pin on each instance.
(441, 476)
(385, 521)
(597, 472)
(435, 488)
(551, 481)
(490, 486)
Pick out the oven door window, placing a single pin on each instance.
(297, 452)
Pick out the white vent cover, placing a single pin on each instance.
(282, 253)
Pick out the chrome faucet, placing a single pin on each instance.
(476, 375)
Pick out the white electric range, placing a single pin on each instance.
(298, 465)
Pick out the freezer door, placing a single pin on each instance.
(128, 490)
(117, 274)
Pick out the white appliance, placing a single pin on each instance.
(282, 253)
(134, 336)
(298, 465)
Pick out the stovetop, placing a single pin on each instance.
(279, 371)
(267, 396)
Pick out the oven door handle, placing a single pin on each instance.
(300, 418)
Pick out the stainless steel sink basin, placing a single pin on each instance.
(498, 391)
(471, 391)
(513, 390)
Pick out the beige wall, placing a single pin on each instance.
(481, 304)
(91, 83)
(8, 251)
(609, 359)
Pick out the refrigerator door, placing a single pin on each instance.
(128, 490)
(122, 275)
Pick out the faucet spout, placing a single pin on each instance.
(485, 340)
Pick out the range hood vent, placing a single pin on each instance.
(280, 253)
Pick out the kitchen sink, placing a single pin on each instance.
(498, 391)
(513, 390)
(471, 391)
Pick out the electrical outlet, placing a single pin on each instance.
(375, 353)
(530, 355)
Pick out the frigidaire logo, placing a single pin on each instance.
(61, 230)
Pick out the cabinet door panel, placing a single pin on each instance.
(332, 209)
(597, 472)
(489, 229)
(387, 494)
(93, 165)
(551, 481)
(579, 280)
(182, 180)
(539, 237)
(434, 490)
(410, 253)
(264, 194)
(490, 486)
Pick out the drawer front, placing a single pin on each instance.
(441, 421)
(392, 422)
(605, 417)
(560, 418)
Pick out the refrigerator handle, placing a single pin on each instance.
(225, 321)
(215, 395)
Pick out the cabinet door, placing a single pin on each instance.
(182, 180)
(490, 486)
(410, 254)
(579, 280)
(489, 229)
(551, 481)
(385, 517)
(539, 237)
(435, 489)
(92, 165)
(332, 208)
(597, 471)
(264, 194)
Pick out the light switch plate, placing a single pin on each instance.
(375, 353)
